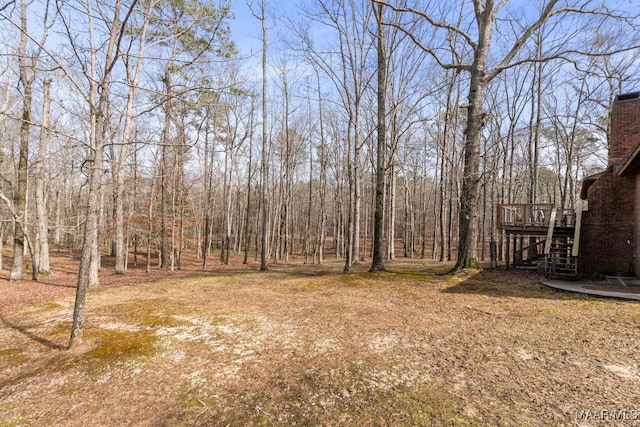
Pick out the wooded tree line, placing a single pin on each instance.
(134, 128)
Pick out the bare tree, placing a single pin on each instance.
(133, 62)
(344, 62)
(322, 218)
(264, 163)
(42, 219)
(247, 230)
(29, 56)
(377, 262)
(98, 98)
(483, 66)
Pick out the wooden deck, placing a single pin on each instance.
(532, 219)
(537, 231)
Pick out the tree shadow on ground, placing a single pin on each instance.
(25, 331)
(501, 283)
(57, 284)
(314, 272)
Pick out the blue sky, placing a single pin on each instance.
(245, 28)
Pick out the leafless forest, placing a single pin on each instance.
(139, 129)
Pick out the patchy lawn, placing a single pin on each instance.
(310, 345)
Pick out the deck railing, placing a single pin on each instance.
(523, 215)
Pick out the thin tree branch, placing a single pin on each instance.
(427, 17)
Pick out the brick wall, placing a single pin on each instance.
(609, 230)
(625, 129)
(607, 226)
(636, 242)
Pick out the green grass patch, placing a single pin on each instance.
(309, 286)
(193, 402)
(44, 306)
(113, 345)
(61, 330)
(16, 422)
(11, 357)
(358, 279)
(302, 393)
(416, 276)
(154, 313)
(426, 405)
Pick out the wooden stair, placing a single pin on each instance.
(561, 249)
(560, 260)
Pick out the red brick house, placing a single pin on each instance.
(611, 219)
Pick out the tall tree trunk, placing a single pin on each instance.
(409, 232)
(164, 171)
(357, 196)
(467, 217)
(443, 197)
(265, 171)
(90, 241)
(377, 263)
(536, 122)
(181, 201)
(208, 199)
(2, 229)
(247, 230)
(150, 225)
(307, 231)
(119, 172)
(348, 230)
(391, 247)
(42, 219)
(226, 238)
(323, 179)
(286, 177)
(96, 254)
(20, 190)
(119, 194)
(95, 161)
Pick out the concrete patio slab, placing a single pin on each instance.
(602, 289)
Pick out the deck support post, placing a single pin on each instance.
(507, 258)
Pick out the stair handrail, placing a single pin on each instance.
(576, 233)
(552, 224)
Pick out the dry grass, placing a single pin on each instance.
(309, 345)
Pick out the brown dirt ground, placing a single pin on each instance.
(310, 345)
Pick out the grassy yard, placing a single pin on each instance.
(310, 345)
